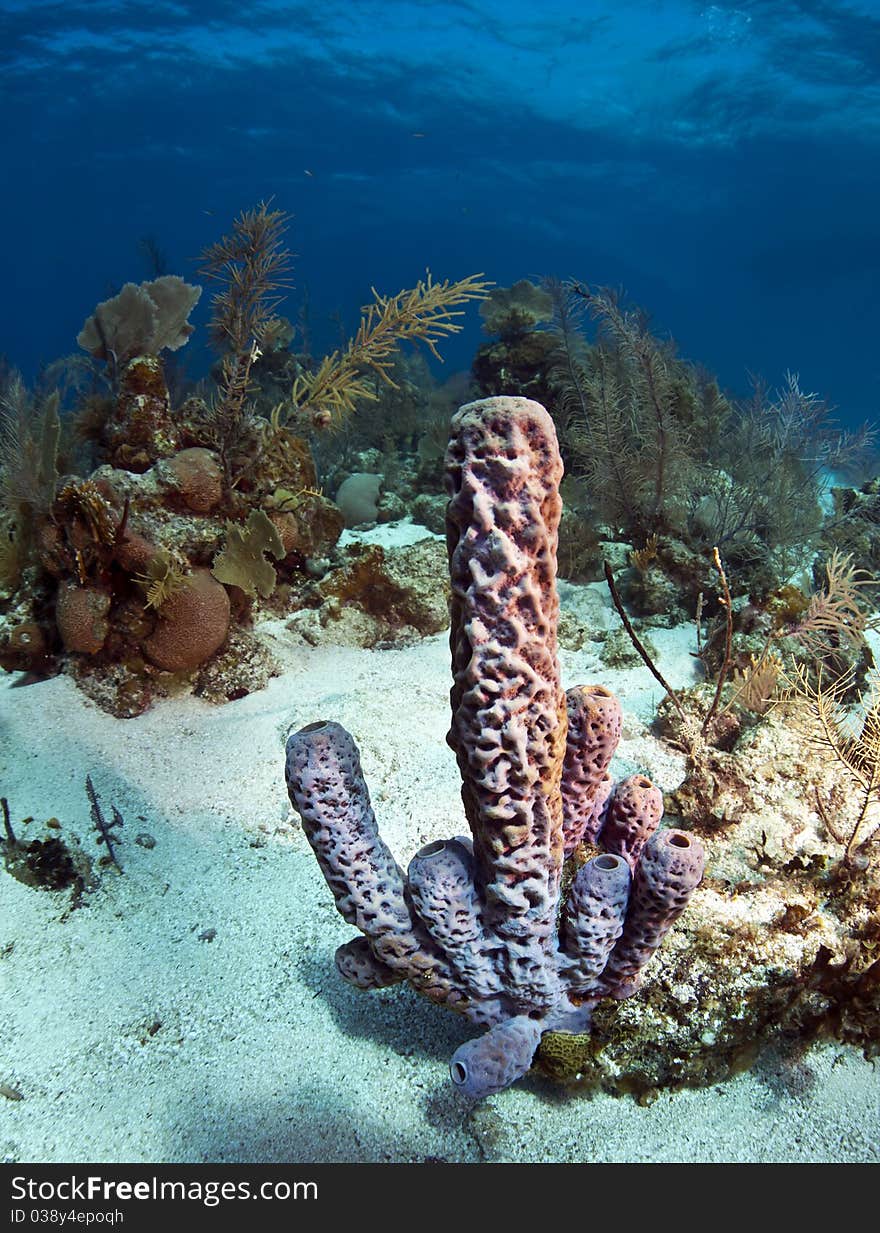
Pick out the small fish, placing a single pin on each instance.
(417, 134)
(306, 172)
(11, 1093)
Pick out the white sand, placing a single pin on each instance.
(263, 1053)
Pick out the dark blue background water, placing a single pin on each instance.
(720, 161)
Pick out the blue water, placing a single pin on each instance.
(719, 161)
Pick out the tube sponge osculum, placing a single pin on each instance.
(475, 923)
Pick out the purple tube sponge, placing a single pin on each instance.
(441, 885)
(356, 961)
(633, 814)
(594, 720)
(598, 810)
(508, 710)
(329, 792)
(327, 788)
(670, 870)
(503, 471)
(592, 919)
(475, 923)
(491, 1062)
(443, 894)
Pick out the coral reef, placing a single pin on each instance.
(474, 923)
(378, 596)
(665, 454)
(145, 573)
(518, 362)
(669, 464)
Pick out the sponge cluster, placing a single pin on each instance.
(480, 923)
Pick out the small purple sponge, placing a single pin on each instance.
(594, 720)
(592, 919)
(633, 815)
(441, 883)
(327, 788)
(493, 1061)
(669, 871)
(444, 896)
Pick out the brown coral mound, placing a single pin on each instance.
(81, 613)
(197, 477)
(193, 624)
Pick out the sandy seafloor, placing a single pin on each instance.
(132, 1038)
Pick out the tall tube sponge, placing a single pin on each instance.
(475, 923)
(508, 724)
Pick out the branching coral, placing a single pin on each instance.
(832, 625)
(251, 266)
(663, 451)
(755, 685)
(29, 437)
(769, 462)
(625, 404)
(850, 735)
(426, 313)
(840, 613)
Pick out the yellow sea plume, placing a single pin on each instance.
(426, 313)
